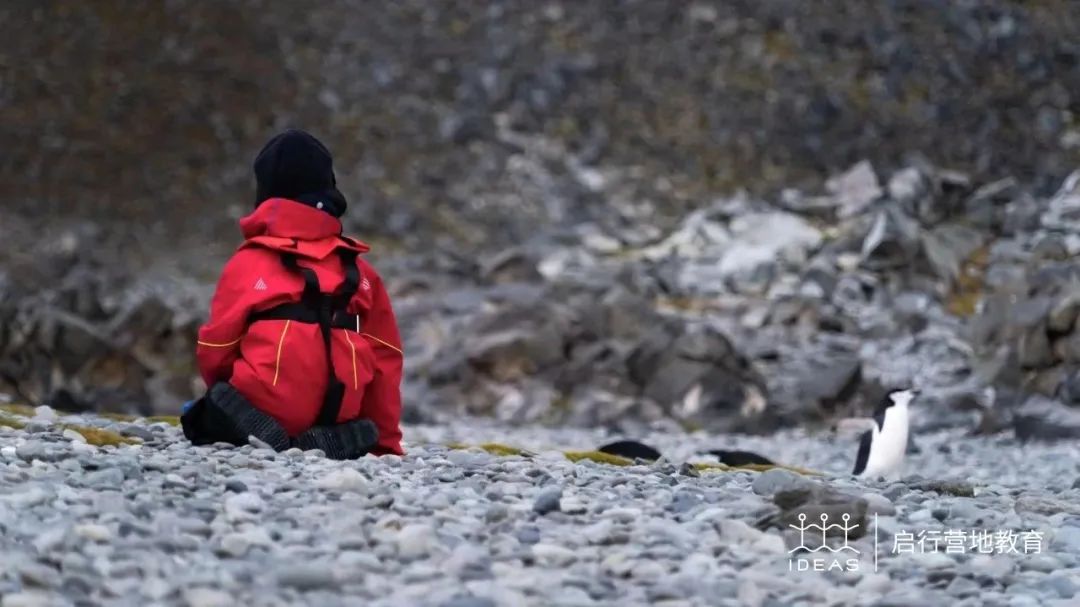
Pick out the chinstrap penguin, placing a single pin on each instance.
(883, 446)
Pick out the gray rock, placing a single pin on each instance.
(137, 431)
(32, 598)
(235, 486)
(878, 504)
(308, 576)
(776, 480)
(207, 597)
(468, 601)
(1063, 585)
(416, 540)
(107, 477)
(547, 500)
(39, 575)
(33, 450)
(855, 189)
(1066, 539)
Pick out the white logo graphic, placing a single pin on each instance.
(950, 541)
(365, 285)
(817, 543)
(260, 285)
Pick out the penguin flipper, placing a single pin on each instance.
(864, 452)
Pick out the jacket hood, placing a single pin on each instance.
(292, 224)
(289, 219)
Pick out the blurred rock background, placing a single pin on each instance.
(728, 215)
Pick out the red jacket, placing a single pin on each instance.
(280, 365)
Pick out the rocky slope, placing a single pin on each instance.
(154, 520)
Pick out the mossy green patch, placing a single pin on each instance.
(597, 456)
(968, 289)
(100, 437)
(712, 467)
(118, 417)
(9, 421)
(500, 449)
(492, 448)
(18, 409)
(172, 420)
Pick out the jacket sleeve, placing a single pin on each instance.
(382, 400)
(219, 339)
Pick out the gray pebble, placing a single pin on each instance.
(547, 500)
(777, 479)
(1063, 585)
(235, 486)
(308, 576)
(468, 601)
(39, 575)
(107, 477)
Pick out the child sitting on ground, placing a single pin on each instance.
(301, 348)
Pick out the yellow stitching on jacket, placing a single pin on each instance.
(352, 348)
(231, 343)
(398, 350)
(281, 341)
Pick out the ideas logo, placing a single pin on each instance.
(814, 554)
(844, 557)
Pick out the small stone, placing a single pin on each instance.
(572, 505)
(308, 576)
(1043, 563)
(528, 535)
(45, 413)
(496, 513)
(294, 453)
(31, 451)
(50, 539)
(235, 486)
(548, 500)
(777, 479)
(260, 444)
(343, 479)
(878, 504)
(93, 532)
(137, 431)
(468, 601)
(238, 544)
(243, 506)
(106, 477)
(416, 540)
(31, 598)
(1066, 539)
(934, 560)
(551, 555)
(74, 436)
(208, 597)
(1061, 584)
(41, 576)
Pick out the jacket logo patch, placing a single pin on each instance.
(365, 285)
(260, 285)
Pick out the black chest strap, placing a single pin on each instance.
(328, 310)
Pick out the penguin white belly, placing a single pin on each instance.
(889, 446)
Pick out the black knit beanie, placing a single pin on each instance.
(297, 166)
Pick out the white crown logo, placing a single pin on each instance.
(824, 527)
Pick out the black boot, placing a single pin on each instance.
(224, 415)
(347, 440)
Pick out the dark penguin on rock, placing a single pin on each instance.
(632, 449)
